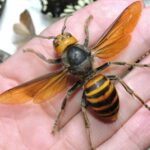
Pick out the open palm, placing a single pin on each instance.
(28, 126)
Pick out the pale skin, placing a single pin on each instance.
(28, 126)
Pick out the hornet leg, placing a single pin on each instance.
(64, 26)
(140, 59)
(69, 93)
(129, 90)
(86, 120)
(50, 61)
(130, 64)
(53, 37)
(86, 31)
(106, 65)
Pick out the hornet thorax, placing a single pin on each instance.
(77, 59)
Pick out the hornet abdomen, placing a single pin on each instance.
(102, 97)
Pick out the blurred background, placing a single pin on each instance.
(10, 16)
(43, 13)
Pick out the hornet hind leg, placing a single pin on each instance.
(86, 120)
(129, 90)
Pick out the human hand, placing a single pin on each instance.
(28, 126)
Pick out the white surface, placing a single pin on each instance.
(11, 13)
(147, 3)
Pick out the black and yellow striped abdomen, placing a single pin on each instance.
(102, 97)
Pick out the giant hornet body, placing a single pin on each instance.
(99, 92)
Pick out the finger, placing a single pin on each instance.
(135, 134)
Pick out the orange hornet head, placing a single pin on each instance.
(62, 41)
